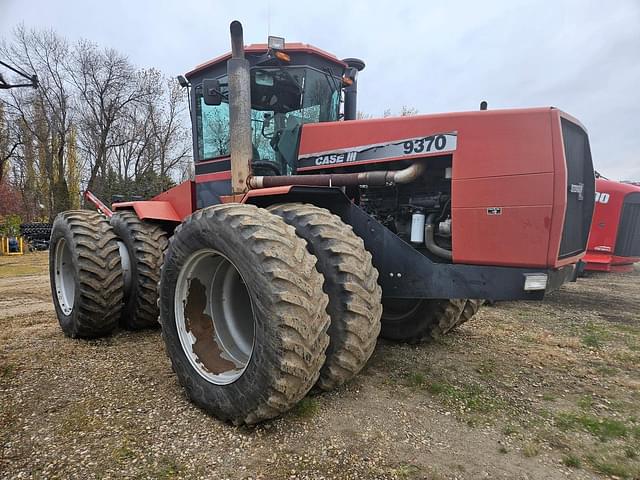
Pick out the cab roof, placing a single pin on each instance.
(257, 48)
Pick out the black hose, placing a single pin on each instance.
(429, 240)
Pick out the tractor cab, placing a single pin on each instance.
(290, 85)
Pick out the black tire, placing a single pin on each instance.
(414, 321)
(288, 309)
(146, 243)
(94, 272)
(350, 281)
(471, 307)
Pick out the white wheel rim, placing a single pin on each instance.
(64, 277)
(214, 317)
(125, 261)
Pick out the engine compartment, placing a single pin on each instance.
(411, 210)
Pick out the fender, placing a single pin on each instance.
(174, 205)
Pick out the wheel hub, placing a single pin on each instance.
(214, 317)
(64, 278)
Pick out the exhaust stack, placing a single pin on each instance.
(239, 112)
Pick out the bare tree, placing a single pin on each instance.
(169, 133)
(46, 53)
(107, 85)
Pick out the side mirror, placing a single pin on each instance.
(211, 91)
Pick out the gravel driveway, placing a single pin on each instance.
(526, 391)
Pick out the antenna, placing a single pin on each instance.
(268, 18)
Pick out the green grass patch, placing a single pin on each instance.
(509, 430)
(406, 471)
(603, 428)
(306, 408)
(572, 461)
(609, 467)
(7, 370)
(585, 402)
(416, 380)
(592, 340)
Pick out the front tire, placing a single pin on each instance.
(85, 274)
(418, 320)
(242, 312)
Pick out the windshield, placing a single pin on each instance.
(282, 99)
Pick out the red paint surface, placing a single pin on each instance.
(174, 205)
(604, 228)
(213, 177)
(512, 159)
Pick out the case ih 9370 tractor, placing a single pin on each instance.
(307, 233)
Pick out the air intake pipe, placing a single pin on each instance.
(239, 112)
(371, 179)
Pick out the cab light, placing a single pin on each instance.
(535, 281)
(275, 43)
(282, 56)
(347, 81)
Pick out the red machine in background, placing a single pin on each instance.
(614, 242)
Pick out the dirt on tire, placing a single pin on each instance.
(350, 281)
(96, 281)
(146, 243)
(288, 305)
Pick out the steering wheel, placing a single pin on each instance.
(265, 168)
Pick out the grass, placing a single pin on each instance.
(7, 370)
(306, 408)
(406, 471)
(531, 449)
(123, 453)
(28, 264)
(80, 418)
(416, 380)
(509, 430)
(585, 402)
(609, 467)
(572, 461)
(592, 340)
(167, 468)
(630, 452)
(602, 428)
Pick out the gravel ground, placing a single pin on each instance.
(526, 391)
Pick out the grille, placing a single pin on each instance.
(580, 190)
(628, 239)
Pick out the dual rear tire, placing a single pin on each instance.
(104, 274)
(284, 300)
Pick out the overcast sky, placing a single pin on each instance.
(578, 55)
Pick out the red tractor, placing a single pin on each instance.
(614, 242)
(307, 233)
